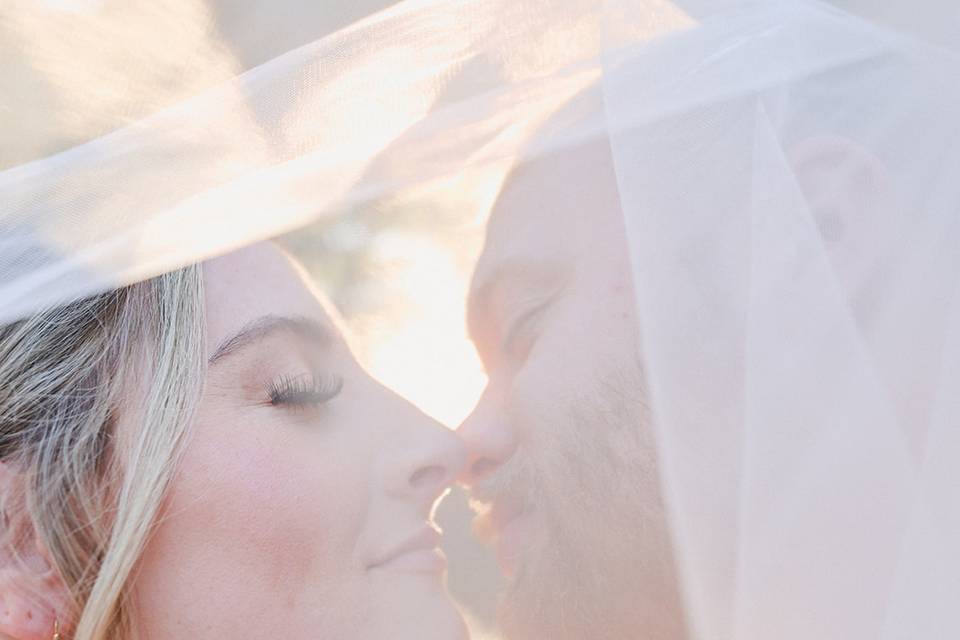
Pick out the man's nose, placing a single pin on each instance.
(489, 438)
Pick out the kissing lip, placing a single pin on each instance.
(507, 529)
(501, 511)
(418, 553)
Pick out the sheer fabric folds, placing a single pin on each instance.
(419, 91)
(789, 175)
(791, 190)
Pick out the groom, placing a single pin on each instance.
(562, 465)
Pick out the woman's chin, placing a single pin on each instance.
(424, 611)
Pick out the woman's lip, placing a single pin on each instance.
(418, 553)
(429, 561)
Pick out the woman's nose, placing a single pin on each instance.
(490, 440)
(428, 463)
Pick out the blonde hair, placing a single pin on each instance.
(92, 493)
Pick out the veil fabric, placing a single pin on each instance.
(792, 201)
(419, 91)
(789, 175)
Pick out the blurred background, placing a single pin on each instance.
(397, 270)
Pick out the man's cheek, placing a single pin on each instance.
(536, 391)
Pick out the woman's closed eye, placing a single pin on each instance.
(308, 390)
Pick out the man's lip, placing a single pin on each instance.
(505, 526)
(495, 514)
(503, 513)
(417, 553)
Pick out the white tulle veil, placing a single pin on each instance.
(789, 175)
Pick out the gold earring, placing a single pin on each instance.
(56, 629)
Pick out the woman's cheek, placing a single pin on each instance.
(262, 514)
(231, 494)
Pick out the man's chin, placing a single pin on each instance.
(582, 582)
(542, 599)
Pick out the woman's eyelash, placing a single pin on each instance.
(303, 391)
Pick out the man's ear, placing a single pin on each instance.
(850, 196)
(32, 594)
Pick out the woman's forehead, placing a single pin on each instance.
(260, 281)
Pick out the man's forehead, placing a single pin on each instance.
(552, 209)
(531, 213)
(520, 235)
(517, 243)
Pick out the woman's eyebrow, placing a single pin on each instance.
(264, 326)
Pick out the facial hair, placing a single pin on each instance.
(599, 563)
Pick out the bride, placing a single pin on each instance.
(301, 502)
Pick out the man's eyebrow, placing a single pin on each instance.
(304, 327)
